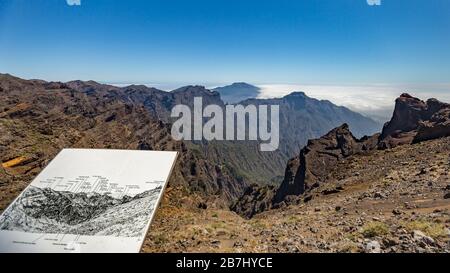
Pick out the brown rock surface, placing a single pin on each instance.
(317, 158)
(437, 126)
(355, 207)
(306, 171)
(414, 120)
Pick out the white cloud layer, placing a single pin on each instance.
(376, 101)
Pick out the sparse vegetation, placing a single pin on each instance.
(218, 225)
(258, 224)
(434, 230)
(349, 247)
(292, 219)
(159, 239)
(374, 229)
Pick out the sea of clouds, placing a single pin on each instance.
(375, 101)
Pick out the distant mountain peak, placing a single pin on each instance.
(190, 88)
(237, 92)
(243, 84)
(296, 94)
(406, 95)
(141, 88)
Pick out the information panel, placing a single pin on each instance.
(88, 200)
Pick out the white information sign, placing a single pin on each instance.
(88, 200)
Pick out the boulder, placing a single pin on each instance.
(420, 237)
(437, 126)
(255, 199)
(372, 247)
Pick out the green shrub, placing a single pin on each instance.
(374, 229)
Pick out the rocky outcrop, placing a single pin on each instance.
(318, 158)
(303, 118)
(437, 126)
(414, 120)
(255, 199)
(306, 171)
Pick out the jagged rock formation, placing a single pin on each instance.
(437, 126)
(414, 120)
(255, 199)
(303, 118)
(306, 171)
(317, 158)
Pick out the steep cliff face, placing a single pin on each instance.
(415, 120)
(256, 199)
(306, 171)
(317, 158)
(437, 126)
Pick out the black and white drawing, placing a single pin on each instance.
(55, 212)
(75, 205)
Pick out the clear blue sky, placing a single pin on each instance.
(220, 41)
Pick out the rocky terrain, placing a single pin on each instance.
(385, 193)
(413, 121)
(306, 171)
(393, 200)
(38, 119)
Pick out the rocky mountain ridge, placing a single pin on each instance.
(38, 119)
(264, 167)
(413, 121)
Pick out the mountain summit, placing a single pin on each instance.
(237, 92)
